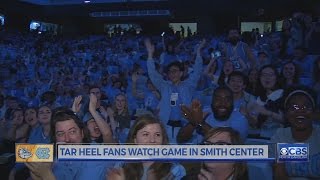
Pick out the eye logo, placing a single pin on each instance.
(24, 153)
(283, 151)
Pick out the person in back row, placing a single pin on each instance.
(175, 91)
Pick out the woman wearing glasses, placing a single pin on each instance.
(299, 111)
(223, 170)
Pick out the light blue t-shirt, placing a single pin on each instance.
(236, 121)
(81, 170)
(177, 170)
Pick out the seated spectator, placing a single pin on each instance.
(289, 75)
(119, 117)
(266, 112)
(299, 111)
(147, 130)
(99, 129)
(222, 116)
(227, 69)
(305, 64)
(146, 97)
(39, 133)
(237, 82)
(211, 71)
(253, 78)
(66, 127)
(223, 170)
(263, 59)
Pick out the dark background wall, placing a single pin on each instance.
(211, 16)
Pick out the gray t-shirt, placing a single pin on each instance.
(301, 170)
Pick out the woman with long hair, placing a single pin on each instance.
(266, 111)
(147, 130)
(253, 80)
(289, 75)
(227, 69)
(119, 117)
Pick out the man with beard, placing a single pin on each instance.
(222, 116)
(237, 51)
(66, 127)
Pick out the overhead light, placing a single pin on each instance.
(87, 1)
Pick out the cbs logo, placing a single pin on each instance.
(291, 151)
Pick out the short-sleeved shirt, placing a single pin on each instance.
(309, 169)
(177, 170)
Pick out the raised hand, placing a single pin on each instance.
(110, 111)
(201, 45)
(149, 46)
(193, 114)
(205, 175)
(40, 170)
(115, 174)
(76, 106)
(93, 102)
(135, 76)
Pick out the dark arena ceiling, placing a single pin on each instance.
(179, 10)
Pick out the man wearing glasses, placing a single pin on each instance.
(174, 92)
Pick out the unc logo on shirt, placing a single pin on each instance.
(293, 152)
(43, 153)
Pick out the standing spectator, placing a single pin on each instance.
(236, 50)
(175, 91)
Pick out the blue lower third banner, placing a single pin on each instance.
(292, 152)
(67, 152)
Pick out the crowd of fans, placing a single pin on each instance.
(142, 89)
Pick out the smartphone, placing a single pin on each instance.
(213, 55)
(217, 54)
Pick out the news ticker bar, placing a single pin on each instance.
(107, 152)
